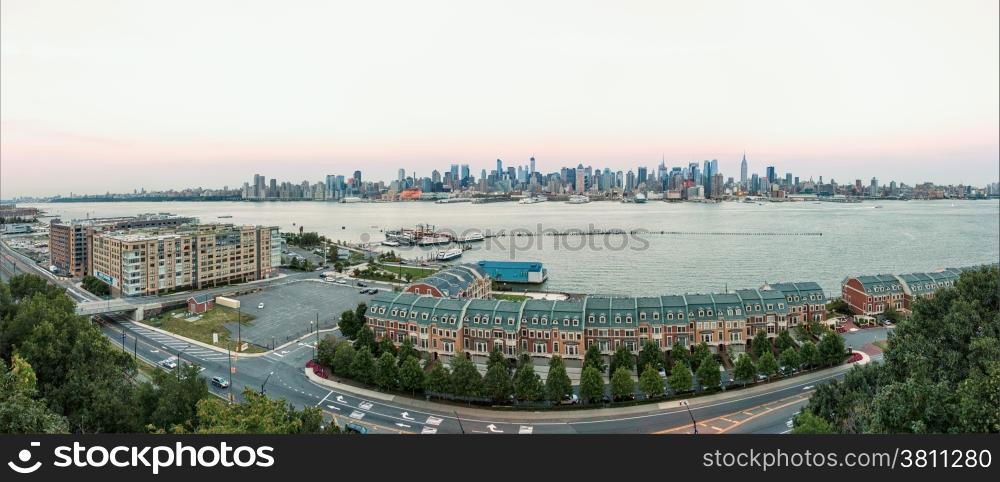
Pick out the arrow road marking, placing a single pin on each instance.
(402, 425)
(525, 430)
(807, 387)
(432, 420)
(333, 407)
(493, 428)
(340, 398)
(407, 416)
(429, 430)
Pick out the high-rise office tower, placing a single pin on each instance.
(532, 165)
(743, 171)
(499, 168)
(770, 175)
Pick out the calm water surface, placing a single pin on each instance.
(856, 238)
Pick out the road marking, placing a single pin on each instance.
(807, 387)
(333, 407)
(525, 430)
(407, 416)
(428, 430)
(357, 415)
(432, 420)
(324, 398)
(402, 425)
(493, 428)
(340, 398)
(365, 405)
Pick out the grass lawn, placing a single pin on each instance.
(882, 344)
(212, 321)
(511, 297)
(415, 272)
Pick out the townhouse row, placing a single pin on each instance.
(724, 321)
(872, 295)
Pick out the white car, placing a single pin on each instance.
(169, 364)
(341, 282)
(260, 306)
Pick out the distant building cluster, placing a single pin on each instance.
(694, 181)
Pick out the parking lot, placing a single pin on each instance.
(289, 308)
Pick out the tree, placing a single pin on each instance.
(767, 365)
(438, 378)
(650, 354)
(701, 352)
(831, 349)
(326, 350)
(709, 376)
(348, 324)
(839, 306)
(411, 376)
(496, 358)
(784, 341)
(680, 377)
(650, 382)
(406, 350)
(343, 358)
(498, 384)
(678, 353)
(257, 414)
(363, 365)
(621, 358)
(760, 344)
(594, 358)
(169, 403)
(527, 384)
(622, 385)
(20, 411)
(744, 368)
(806, 422)
(385, 345)
(366, 338)
(591, 384)
(386, 372)
(360, 312)
(890, 313)
(557, 383)
(465, 378)
(789, 358)
(809, 355)
(95, 286)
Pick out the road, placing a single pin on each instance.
(765, 409)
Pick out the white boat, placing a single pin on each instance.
(639, 198)
(449, 254)
(576, 199)
(433, 240)
(352, 200)
(471, 238)
(532, 200)
(453, 200)
(390, 243)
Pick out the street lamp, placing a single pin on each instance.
(694, 424)
(265, 382)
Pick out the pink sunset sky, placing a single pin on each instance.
(102, 96)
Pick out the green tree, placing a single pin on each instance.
(701, 353)
(169, 403)
(831, 349)
(591, 384)
(527, 384)
(650, 382)
(806, 422)
(789, 358)
(465, 378)
(366, 338)
(809, 355)
(496, 358)
(760, 344)
(709, 376)
(326, 350)
(385, 345)
(386, 371)
(363, 365)
(784, 341)
(838, 306)
(557, 383)
(594, 358)
(349, 324)
(406, 350)
(679, 353)
(343, 358)
(498, 383)
(621, 358)
(256, 414)
(744, 368)
(438, 378)
(20, 411)
(891, 314)
(680, 377)
(411, 376)
(650, 354)
(360, 312)
(767, 365)
(622, 385)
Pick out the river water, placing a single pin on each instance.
(689, 247)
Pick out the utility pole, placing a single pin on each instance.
(135, 347)
(316, 345)
(229, 354)
(265, 382)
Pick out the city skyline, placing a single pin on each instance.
(334, 87)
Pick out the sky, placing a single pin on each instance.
(103, 96)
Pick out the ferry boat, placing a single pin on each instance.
(390, 243)
(532, 200)
(577, 199)
(448, 255)
(453, 200)
(351, 200)
(224, 217)
(471, 238)
(433, 240)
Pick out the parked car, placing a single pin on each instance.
(169, 364)
(341, 282)
(260, 306)
(220, 382)
(570, 400)
(363, 285)
(355, 428)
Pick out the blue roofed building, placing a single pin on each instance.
(515, 271)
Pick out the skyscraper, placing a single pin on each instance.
(499, 168)
(532, 165)
(743, 171)
(770, 175)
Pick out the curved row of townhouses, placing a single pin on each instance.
(724, 321)
(872, 295)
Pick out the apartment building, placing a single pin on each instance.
(872, 295)
(148, 262)
(459, 281)
(723, 321)
(71, 242)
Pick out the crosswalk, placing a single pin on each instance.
(173, 345)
